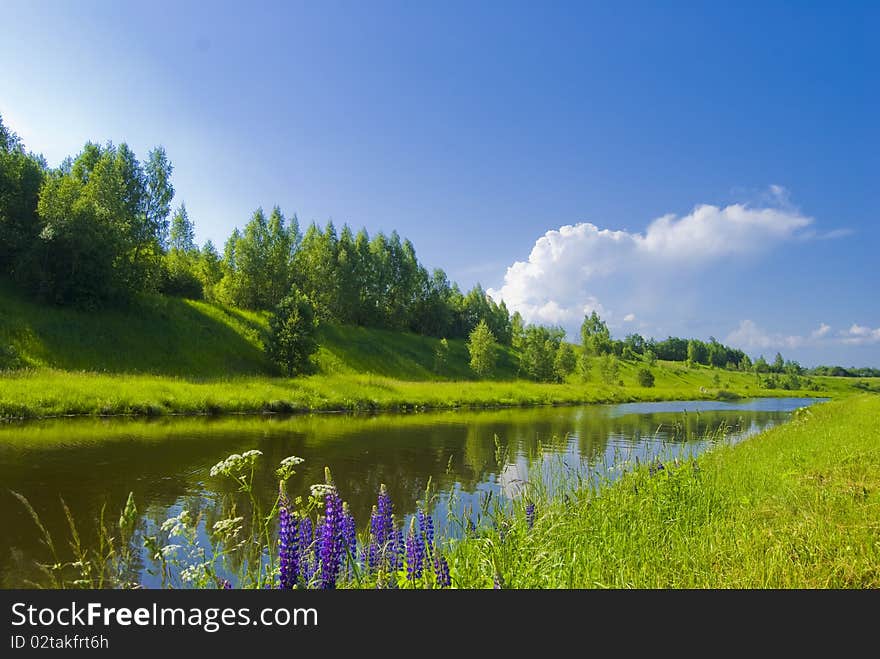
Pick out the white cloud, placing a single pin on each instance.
(821, 331)
(859, 335)
(566, 266)
(628, 318)
(749, 336)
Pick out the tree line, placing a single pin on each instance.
(98, 231)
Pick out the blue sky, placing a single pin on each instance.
(527, 147)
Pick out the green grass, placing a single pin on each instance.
(795, 507)
(167, 355)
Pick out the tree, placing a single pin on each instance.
(645, 377)
(481, 348)
(209, 270)
(609, 369)
(538, 352)
(95, 245)
(292, 334)
(21, 176)
(585, 366)
(595, 336)
(761, 365)
(650, 357)
(565, 361)
(778, 364)
(183, 235)
(158, 193)
(697, 352)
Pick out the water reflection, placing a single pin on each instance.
(166, 463)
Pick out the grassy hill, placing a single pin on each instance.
(168, 355)
(184, 338)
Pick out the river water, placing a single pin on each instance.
(469, 456)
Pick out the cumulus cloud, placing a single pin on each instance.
(821, 331)
(750, 336)
(859, 335)
(558, 282)
(628, 318)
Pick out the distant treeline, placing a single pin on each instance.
(842, 372)
(99, 230)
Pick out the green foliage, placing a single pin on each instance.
(609, 369)
(292, 334)
(778, 365)
(538, 352)
(481, 348)
(565, 361)
(645, 377)
(761, 365)
(258, 262)
(650, 357)
(183, 233)
(595, 335)
(584, 367)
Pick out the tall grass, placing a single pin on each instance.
(795, 507)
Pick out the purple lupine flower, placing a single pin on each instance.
(306, 542)
(385, 511)
(329, 538)
(426, 531)
(348, 536)
(415, 552)
(226, 585)
(497, 582)
(288, 545)
(530, 515)
(441, 571)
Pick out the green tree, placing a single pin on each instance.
(609, 369)
(481, 348)
(292, 334)
(650, 357)
(538, 353)
(645, 377)
(761, 365)
(183, 235)
(585, 366)
(565, 361)
(778, 364)
(95, 245)
(21, 176)
(158, 194)
(209, 270)
(595, 336)
(697, 352)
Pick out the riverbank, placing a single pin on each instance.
(795, 507)
(51, 393)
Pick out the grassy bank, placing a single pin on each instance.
(795, 507)
(45, 393)
(167, 355)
